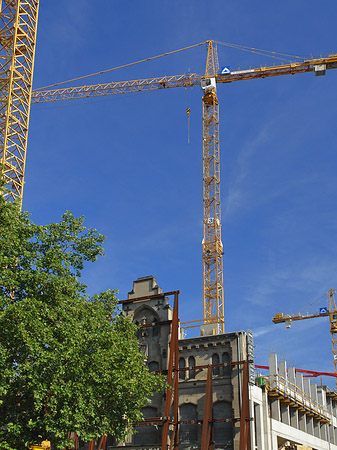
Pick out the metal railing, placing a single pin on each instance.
(292, 393)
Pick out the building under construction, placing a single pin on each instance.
(216, 400)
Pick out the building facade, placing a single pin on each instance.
(285, 410)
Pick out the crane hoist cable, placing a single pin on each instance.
(188, 110)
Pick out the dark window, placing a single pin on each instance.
(147, 435)
(188, 431)
(153, 366)
(155, 331)
(223, 431)
(226, 370)
(215, 360)
(191, 363)
(182, 373)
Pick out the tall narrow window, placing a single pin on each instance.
(155, 330)
(191, 364)
(182, 373)
(226, 370)
(215, 360)
(188, 424)
(147, 435)
(223, 431)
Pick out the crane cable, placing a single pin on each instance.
(258, 51)
(124, 65)
(313, 301)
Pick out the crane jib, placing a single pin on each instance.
(318, 66)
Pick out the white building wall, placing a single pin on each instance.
(287, 432)
(274, 421)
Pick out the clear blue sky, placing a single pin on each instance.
(124, 161)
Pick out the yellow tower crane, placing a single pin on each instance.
(213, 295)
(331, 311)
(18, 27)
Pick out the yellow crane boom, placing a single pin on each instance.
(318, 66)
(331, 312)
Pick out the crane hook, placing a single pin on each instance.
(188, 111)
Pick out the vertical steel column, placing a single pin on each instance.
(76, 442)
(176, 387)
(245, 416)
(333, 326)
(18, 28)
(103, 443)
(172, 380)
(207, 437)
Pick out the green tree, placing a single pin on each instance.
(68, 362)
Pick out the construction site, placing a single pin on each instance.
(219, 395)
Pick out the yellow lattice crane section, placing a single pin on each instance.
(213, 298)
(331, 312)
(18, 26)
(318, 66)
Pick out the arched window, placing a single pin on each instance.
(182, 373)
(153, 366)
(188, 431)
(215, 360)
(223, 431)
(191, 363)
(226, 370)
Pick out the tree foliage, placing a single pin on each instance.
(68, 362)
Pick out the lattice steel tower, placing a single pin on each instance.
(18, 26)
(213, 296)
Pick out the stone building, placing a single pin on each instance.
(154, 340)
(286, 411)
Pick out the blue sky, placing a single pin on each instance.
(124, 162)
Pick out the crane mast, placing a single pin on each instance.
(333, 326)
(213, 298)
(18, 27)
